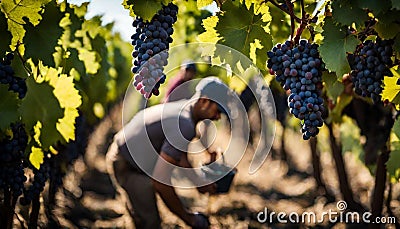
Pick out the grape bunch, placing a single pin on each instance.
(298, 68)
(16, 84)
(39, 180)
(151, 41)
(369, 64)
(11, 153)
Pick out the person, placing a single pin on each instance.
(180, 87)
(142, 153)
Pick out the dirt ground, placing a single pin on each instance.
(88, 199)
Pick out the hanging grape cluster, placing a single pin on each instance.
(16, 84)
(298, 68)
(12, 150)
(369, 64)
(151, 41)
(39, 180)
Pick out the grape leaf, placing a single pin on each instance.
(5, 35)
(18, 12)
(203, 3)
(396, 129)
(393, 164)
(333, 87)
(391, 91)
(65, 91)
(89, 59)
(36, 157)
(66, 125)
(396, 45)
(146, 9)
(40, 104)
(335, 45)
(69, 100)
(346, 13)
(48, 30)
(388, 24)
(8, 107)
(240, 33)
(375, 6)
(128, 4)
(336, 113)
(396, 4)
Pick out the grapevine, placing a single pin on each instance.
(151, 41)
(298, 68)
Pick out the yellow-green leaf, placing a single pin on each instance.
(89, 59)
(66, 125)
(18, 12)
(65, 91)
(391, 90)
(203, 3)
(36, 157)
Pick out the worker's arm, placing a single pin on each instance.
(163, 171)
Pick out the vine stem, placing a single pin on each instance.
(34, 215)
(283, 9)
(303, 23)
(22, 59)
(292, 23)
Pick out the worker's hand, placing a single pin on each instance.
(210, 188)
(199, 221)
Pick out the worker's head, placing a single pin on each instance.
(189, 70)
(212, 99)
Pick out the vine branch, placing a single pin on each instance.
(283, 9)
(22, 58)
(292, 23)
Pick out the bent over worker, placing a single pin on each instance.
(148, 148)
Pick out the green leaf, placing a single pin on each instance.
(248, 34)
(239, 32)
(49, 31)
(335, 45)
(146, 9)
(393, 164)
(5, 35)
(40, 104)
(396, 4)
(20, 11)
(396, 128)
(396, 45)
(333, 87)
(336, 114)
(375, 6)
(388, 24)
(346, 12)
(203, 3)
(8, 107)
